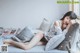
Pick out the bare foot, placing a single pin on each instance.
(7, 41)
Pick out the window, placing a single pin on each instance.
(75, 7)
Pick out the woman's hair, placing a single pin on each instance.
(71, 14)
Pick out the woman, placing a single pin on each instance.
(58, 27)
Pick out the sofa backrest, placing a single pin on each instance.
(69, 37)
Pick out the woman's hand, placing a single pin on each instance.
(69, 24)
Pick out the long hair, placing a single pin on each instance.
(71, 14)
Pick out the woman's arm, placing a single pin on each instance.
(57, 27)
(56, 23)
(67, 28)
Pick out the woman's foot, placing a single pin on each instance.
(7, 41)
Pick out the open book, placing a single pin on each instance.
(25, 35)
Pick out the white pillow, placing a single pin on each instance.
(45, 25)
(54, 42)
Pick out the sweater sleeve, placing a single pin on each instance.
(55, 30)
(58, 30)
(65, 31)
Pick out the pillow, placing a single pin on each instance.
(44, 25)
(25, 35)
(54, 42)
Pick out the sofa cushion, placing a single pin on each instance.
(36, 49)
(44, 25)
(69, 37)
(54, 42)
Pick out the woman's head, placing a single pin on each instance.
(68, 17)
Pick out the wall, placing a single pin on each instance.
(79, 8)
(21, 13)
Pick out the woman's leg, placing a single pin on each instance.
(39, 43)
(31, 44)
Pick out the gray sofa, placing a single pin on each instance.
(35, 49)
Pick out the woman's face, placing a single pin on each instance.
(66, 21)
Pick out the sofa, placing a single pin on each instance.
(36, 49)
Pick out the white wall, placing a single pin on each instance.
(21, 13)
